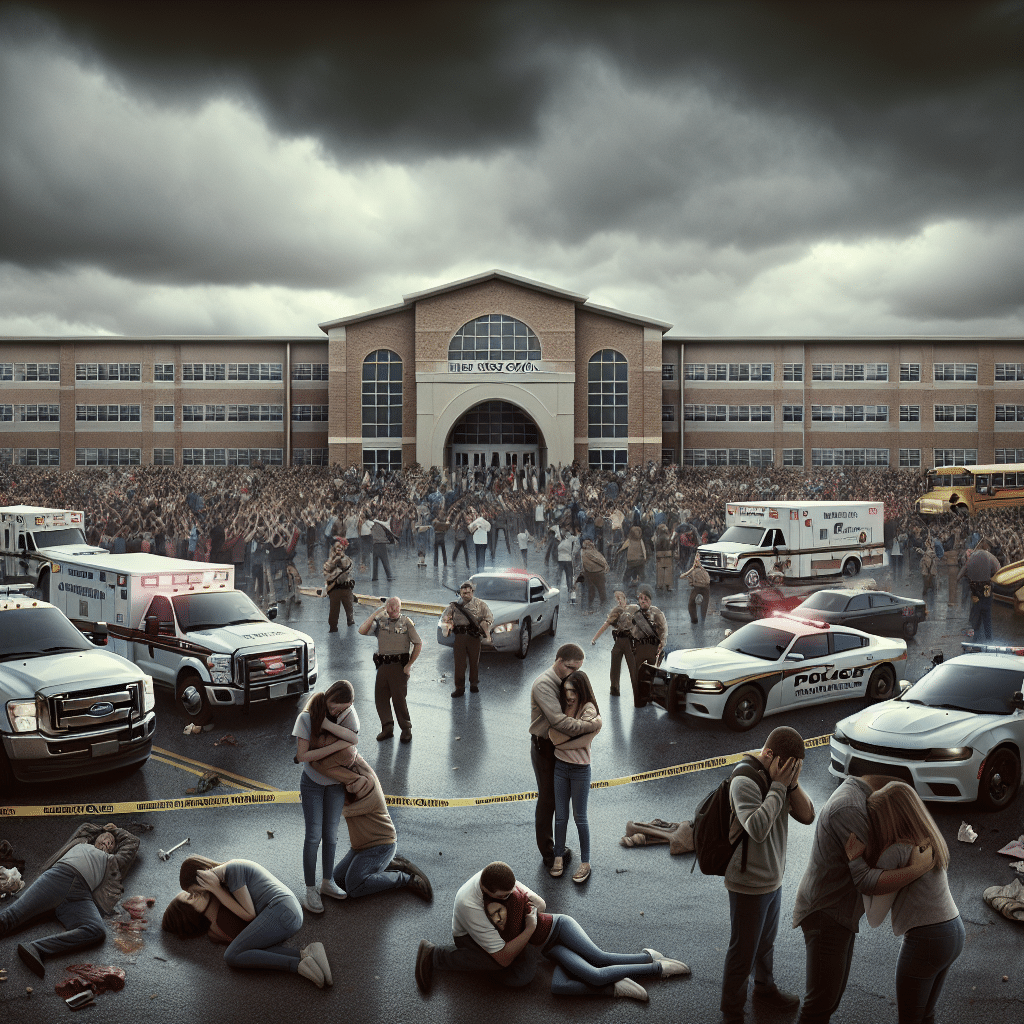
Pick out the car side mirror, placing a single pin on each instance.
(272, 612)
(904, 685)
(793, 656)
(99, 634)
(1017, 700)
(728, 632)
(153, 625)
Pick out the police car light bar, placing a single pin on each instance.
(972, 648)
(799, 618)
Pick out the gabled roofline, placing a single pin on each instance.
(501, 275)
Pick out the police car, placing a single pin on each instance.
(773, 665)
(955, 735)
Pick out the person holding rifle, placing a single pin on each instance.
(471, 621)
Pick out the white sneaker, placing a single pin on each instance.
(312, 901)
(673, 968)
(629, 989)
(329, 887)
(309, 968)
(316, 951)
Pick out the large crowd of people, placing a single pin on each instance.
(231, 514)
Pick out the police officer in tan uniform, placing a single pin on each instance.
(649, 630)
(471, 621)
(398, 647)
(338, 577)
(619, 621)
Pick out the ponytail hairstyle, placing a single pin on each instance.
(898, 815)
(340, 692)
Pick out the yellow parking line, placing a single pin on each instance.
(193, 771)
(214, 768)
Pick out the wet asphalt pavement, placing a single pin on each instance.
(478, 746)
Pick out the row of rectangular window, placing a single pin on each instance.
(163, 372)
(697, 413)
(843, 372)
(231, 413)
(29, 413)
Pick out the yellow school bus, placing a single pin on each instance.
(969, 489)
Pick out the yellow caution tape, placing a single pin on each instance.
(292, 797)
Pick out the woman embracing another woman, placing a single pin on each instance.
(572, 771)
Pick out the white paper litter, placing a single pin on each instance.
(966, 833)
(1018, 866)
(1014, 848)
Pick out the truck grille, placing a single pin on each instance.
(902, 753)
(285, 666)
(86, 710)
(711, 559)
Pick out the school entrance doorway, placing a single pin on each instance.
(495, 434)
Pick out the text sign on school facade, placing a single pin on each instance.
(497, 367)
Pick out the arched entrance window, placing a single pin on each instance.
(382, 409)
(494, 434)
(494, 338)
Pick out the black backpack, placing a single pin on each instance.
(714, 815)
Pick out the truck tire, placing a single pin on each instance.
(190, 695)
(882, 684)
(744, 709)
(753, 575)
(851, 567)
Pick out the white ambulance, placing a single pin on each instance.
(30, 536)
(801, 540)
(184, 624)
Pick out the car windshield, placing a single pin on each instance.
(493, 588)
(823, 601)
(51, 538)
(982, 690)
(759, 641)
(34, 632)
(208, 611)
(749, 535)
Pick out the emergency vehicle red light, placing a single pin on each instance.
(818, 623)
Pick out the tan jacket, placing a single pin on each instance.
(369, 823)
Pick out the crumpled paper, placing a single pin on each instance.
(1018, 866)
(11, 880)
(1014, 848)
(966, 833)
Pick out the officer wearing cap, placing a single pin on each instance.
(398, 646)
(649, 631)
(471, 620)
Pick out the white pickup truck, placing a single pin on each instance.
(69, 708)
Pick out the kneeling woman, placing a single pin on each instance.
(582, 967)
(243, 905)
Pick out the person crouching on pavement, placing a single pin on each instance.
(499, 924)
(80, 883)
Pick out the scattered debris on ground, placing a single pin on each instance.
(205, 783)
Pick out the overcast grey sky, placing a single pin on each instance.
(733, 168)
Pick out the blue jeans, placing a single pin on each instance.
(829, 955)
(481, 556)
(61, 889)
(980, 617)
(583, 968)
(755, 922)
(380, 554)
(259, 943)
(564, 567)
(362, 872)
(572, 782)
(321, 808)
(926, 954)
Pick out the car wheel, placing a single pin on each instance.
(1000, 779)
(190, 693)
(524, 641)
(909, 628)
(851, 567)
(753, 574)
(882, 684)
(554, 621)
(744, 709)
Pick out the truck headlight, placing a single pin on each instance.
(148, 696)
(23, 716)
(505, 627)
(311, 655)
(731, 561)
(220, 666)
(707, 686)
